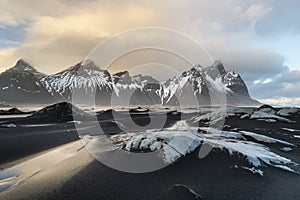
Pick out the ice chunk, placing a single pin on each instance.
(286, 149)
(173, 142)
(11, 126)
(245, 116)
(191, 191)
(287, 111)
(290, 130)
(268, 120)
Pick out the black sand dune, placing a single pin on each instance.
(13, 111)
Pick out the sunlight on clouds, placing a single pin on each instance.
(7, 58)
(56, 41)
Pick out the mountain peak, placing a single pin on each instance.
(23, 66)
(89, 64)
(81, 67)
(122, 74)
(21, 62)
(219, 65)
(216, 69)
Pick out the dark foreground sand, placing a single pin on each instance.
(82, 177)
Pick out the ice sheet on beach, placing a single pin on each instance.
(256, 154)
(216, 133)
(174, 143)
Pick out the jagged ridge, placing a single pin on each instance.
(197, 84)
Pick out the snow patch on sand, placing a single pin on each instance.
(263, 138)
(256, 154)
(290, 130)
(254, 170)
(286, 149)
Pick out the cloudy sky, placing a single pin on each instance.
(258, 39)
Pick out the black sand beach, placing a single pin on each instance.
(217, 176)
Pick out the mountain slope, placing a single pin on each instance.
(207, 85)
(85, 78)
(21, 84)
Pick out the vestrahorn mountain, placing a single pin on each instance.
(24, 84)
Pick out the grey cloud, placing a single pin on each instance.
(286, 84)
(283, 19)
(253, 64)
(292, 76)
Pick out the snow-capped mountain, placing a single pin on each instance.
(207, 85)
(21, 84)
(24, 84)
